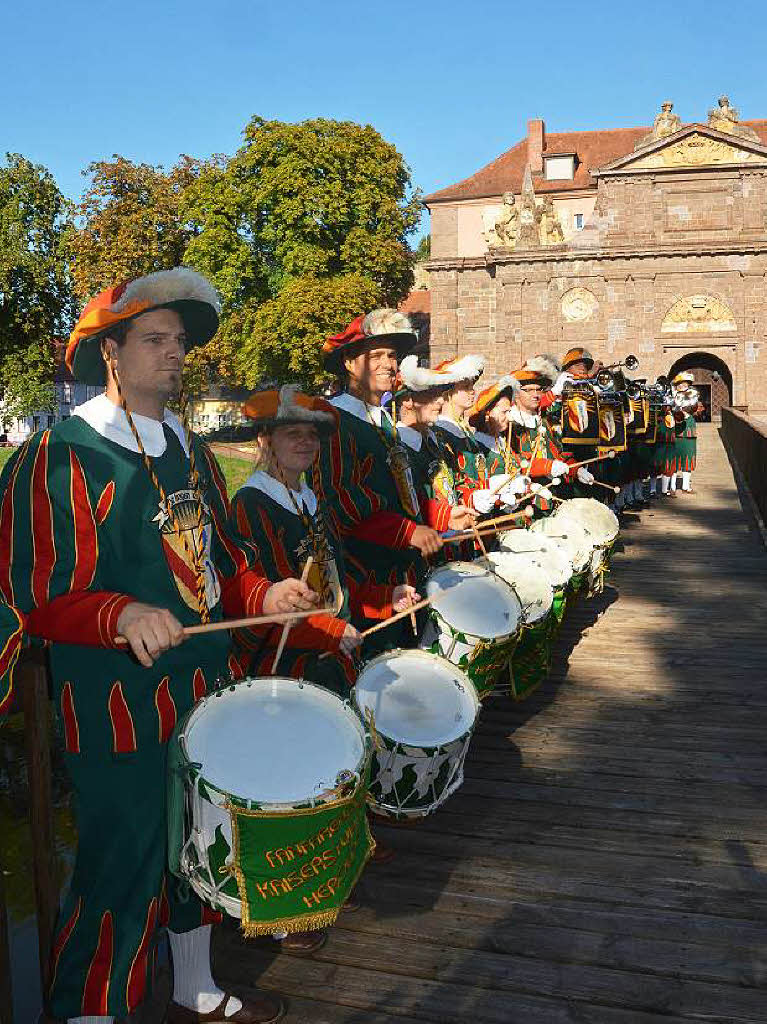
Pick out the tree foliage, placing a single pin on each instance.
(281, 338)
(36, 302)
(131, 222)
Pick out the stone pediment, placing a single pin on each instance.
(695, 145)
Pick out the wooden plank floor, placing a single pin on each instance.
(606, 859)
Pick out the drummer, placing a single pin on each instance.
(114, 526)
(469, 455)
(419, 401)
(277, 510)
(531, 435)
(365, 478)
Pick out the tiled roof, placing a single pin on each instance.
(416, 302)
(593, 149)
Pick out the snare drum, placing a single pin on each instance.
(603, 527)
(474, 621)
(532, 658)
(267, 803)
(552, 558)
(422, 711)
(575, 541)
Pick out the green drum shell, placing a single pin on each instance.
(532, 658)
(484, 659)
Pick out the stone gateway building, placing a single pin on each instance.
(650, 241)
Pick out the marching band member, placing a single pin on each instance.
(365, 477)
(686, 431)
(419, 401)
(531, 434)
(577, 364)
(11, 637)
(114, 525)
(470, 457)
(278, 511)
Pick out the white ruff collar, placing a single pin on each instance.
(362, 410)
(110, 421)
(524, 419)
(413, 438)
(277, 491)
(487, 441)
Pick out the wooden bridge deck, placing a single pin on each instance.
(606, 859)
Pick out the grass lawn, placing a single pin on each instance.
(235, 470)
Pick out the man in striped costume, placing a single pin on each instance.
(113, 537)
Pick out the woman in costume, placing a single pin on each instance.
(278, 511)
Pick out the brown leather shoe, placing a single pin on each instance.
(263, 1008)
(304, 943)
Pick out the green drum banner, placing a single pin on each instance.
(531, 661)
(296, 868)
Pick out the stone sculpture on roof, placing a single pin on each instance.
(549, 227)
(665, 123)
(725, 118)
(501, 228)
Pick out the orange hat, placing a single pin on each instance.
(181, 289)
(486, 399)
(577, 355)
(279, 407)
(381, 325)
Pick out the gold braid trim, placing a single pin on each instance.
(194, 554)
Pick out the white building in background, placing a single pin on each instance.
(69, 394)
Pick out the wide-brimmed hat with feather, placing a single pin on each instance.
(281, 407)
(413, 379)
(486, 399)
(461, 368)
(379, 327)
(577, 355)
(181, 288)
(541, 370)
(684, 378)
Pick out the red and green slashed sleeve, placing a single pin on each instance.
(50, 517)
(237, 559)
(11, 633)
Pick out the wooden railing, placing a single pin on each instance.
(31, 686)
(746, 441)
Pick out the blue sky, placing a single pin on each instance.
(452, 84)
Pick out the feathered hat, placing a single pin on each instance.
(541, 370)
(486, 399)
(461, 368)
(419, 379)
(280, 407)
(684, 378)
(383, 326)
(577, 355)
(182, 289)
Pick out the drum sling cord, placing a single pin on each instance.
(193, 552)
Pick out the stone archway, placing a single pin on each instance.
(713, 379)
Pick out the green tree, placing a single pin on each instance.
(130, 222)
(281, 338)
(423, 249)
(299, 205)
(36, 301)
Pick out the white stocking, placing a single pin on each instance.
(686, 481)
(664, 482)
(673, 482)
(653, 485)
(193, 984)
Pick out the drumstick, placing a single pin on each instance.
(387, 622)
(289, 623)
(598, 458)
(252, 620)
(607, 487)
(478, 539)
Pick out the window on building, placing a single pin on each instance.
(560, 168)
(578, 221)
(66, 394)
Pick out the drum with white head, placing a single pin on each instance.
(546, 552)
(474, 621)
(421, 710)
(572, 536)
(280, 748)
(528, 581)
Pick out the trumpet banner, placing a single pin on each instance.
(578, 414)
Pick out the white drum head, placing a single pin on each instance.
(547, 552)
(595, 517)
(529, 581)
(274, 740)
(474, 600)
(573, 538)
(417, 698)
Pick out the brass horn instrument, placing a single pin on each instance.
(686, 401)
